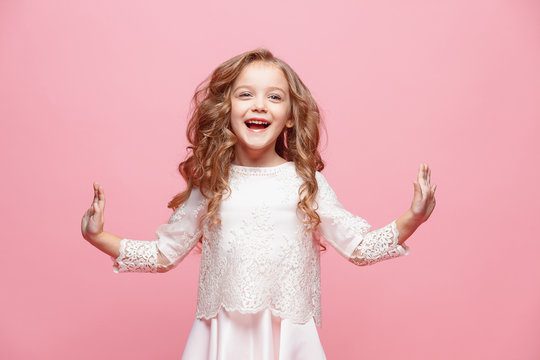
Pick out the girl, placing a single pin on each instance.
(256, 201)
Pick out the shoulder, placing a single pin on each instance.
(325, 190)
(321, 179)
(194, 199)
(197, 198)
(293, 173)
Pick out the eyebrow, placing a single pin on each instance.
(268, 88)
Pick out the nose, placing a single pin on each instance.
(258, 105)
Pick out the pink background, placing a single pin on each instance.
(99, 90)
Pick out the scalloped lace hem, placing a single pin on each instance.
(275, 312)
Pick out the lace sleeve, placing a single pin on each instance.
(352, 235)
(175, 240)
(378, 245)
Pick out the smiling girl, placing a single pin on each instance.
(258, 204)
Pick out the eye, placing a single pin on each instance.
(277, 97)
(242, 94)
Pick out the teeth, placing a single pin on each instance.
(257, 122)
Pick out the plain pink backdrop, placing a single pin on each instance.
(99, 90)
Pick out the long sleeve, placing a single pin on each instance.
(352, 235)
(175, 240)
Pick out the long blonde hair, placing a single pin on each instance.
(212, 141)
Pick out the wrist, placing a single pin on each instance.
(407, 224)
(413, 219)
(94, 238)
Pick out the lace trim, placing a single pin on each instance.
(136, 256)
(282, 314)
(378, 245)
(260, 171)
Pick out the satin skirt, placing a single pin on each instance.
(260, 336)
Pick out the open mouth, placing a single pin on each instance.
(257, 124)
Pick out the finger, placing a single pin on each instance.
(95, 193)
(432, 197)
(429, 175)
(101, 198)
(423, 179)
(431, 193)
(419, 176)
(101, 193)
(417, 191)
(424, 174)
(96, 207)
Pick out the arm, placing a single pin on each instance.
(107, 242)
(175, 240)
(116, 248)
(351, 235)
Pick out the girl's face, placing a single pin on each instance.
(259, 94)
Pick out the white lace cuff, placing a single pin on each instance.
(136, 256)
(378, 245)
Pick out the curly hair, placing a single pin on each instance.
(212, 141)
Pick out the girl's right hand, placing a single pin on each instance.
(92, 221)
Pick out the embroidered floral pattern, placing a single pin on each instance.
(260, 267)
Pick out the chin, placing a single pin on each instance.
(256, 139)
(253, 145)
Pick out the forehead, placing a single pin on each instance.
(261, 75)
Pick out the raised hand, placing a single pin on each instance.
(423, 201)
(93, 219)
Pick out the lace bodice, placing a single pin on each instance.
(261, 256)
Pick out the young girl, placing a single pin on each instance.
(256, 201)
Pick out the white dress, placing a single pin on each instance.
(233, 335)
(259, 281)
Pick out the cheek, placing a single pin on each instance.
(239, 107)
(236, 117)
(281, 113)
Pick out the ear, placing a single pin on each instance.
(289, 123)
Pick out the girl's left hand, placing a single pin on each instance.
(423, 201)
